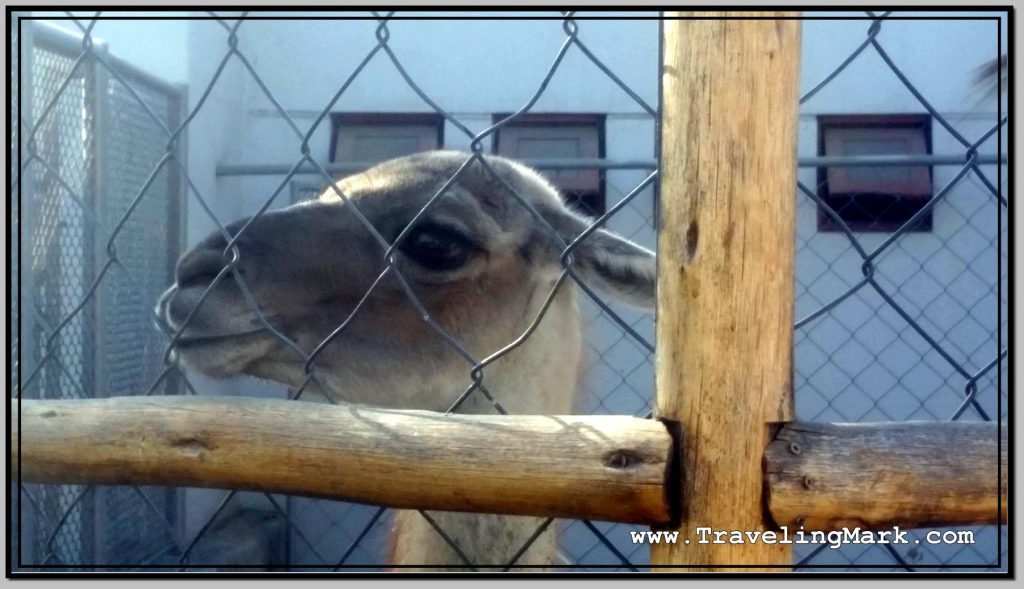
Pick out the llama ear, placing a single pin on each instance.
(618, 268)
(610, 264)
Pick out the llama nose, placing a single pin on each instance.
(201, 265)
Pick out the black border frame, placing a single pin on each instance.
(1007, 10)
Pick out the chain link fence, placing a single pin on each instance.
(895, 324)
(906, 321)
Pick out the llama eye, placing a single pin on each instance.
(437, 248)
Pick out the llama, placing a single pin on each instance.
(481, 264)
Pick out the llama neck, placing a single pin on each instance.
(538, 377)
(482, 541)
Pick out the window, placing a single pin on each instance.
(565, 137)
(874, 198)
(375, 137)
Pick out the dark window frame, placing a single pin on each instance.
(383, 119)
(543, 120)
(872, 200)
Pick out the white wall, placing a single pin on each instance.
(939, 56)
(472, 69)
(156, 46)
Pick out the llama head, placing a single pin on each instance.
(479, 262)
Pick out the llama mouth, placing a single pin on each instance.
(160, 318)
(185, 336)
(195, 341)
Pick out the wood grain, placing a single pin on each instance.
(825, 476)
(597, 467)
(725, 269)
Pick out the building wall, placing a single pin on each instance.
(155, 45)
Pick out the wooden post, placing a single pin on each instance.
(725, 270)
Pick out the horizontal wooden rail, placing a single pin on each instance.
(596, 467)
(615, 468)
(826, 476)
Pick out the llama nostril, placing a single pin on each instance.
(200, 267)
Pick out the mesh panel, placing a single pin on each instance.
(136, 528)
(89, 331)
(134, 145)
(58, 260)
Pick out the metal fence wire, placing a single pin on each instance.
(894, 325)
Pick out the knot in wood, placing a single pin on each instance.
(621, 459)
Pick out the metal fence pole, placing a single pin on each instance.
(725, 270)
(94, 251)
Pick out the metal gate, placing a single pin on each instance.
(92, 133)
